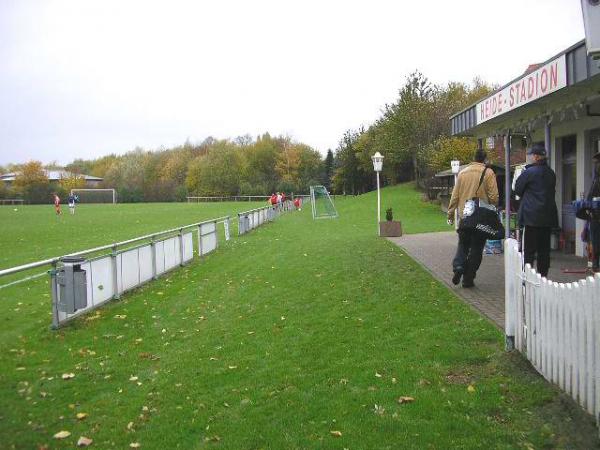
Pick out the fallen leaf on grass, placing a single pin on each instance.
(81, 415)
(84, 442)
(471, 388)
(130, 425)
(120, 316)
(404, 399)
(68, 376)
(378, 375)
(135, 445)
(336, 433)
(62, 435)
(232, 367)
(133, 378)
(214, 438)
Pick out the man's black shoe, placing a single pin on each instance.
(456, 277)
(468, 284)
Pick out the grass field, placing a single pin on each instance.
(302, 334)
(35, 232)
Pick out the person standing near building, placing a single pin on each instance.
(57, 204)
(594, 216)
(537, 212)
(475, 180)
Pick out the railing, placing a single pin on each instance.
(249, 220)
(233, 198)
(241, 198)
(127, 264)
(11, 201)
(557, 326)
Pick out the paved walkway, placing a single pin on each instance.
(435, 252)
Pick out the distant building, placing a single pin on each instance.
(55, 176)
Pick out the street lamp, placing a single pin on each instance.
(377, 159)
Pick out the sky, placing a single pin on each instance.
(86, 78)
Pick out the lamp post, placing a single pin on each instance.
(455, 164)
(377, 159)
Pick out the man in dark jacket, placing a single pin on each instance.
(537, 213)
(594, 216)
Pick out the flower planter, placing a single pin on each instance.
(390, 228)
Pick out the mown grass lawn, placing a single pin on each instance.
(302, 334)
(35, 232)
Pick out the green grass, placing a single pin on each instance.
(35, 232)
(280, 337)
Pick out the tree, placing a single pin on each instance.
(328, 169)
(217, 173)
(72, 181)
(32, 183)
(445, 149)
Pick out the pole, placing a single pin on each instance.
(456, 210)
(507, 186)
(378, 205)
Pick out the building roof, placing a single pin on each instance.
(580, 69)
(53, 175)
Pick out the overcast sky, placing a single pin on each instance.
(85, 78)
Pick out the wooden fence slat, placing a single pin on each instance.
(595, 301)
(561, 331)
(589, 344)
(557, 326)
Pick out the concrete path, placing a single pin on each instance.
(435, 252)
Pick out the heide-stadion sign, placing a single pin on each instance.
(547, 79)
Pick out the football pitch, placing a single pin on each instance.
(32, 233)
(300, 334)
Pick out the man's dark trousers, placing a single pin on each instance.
(595, 241)
(468, 254)
(537, 247)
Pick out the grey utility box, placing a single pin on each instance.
(72, 289)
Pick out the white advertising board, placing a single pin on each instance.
(547, 79)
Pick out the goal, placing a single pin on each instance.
(95, 195)
(322, 205)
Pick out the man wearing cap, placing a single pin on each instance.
(537, 213)
(594, 215)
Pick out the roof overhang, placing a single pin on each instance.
(576, 94)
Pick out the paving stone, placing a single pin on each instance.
(435, 251)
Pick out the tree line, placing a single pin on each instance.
(243, 166)
(413, 133)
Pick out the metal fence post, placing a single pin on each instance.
(114, 254)
(200, 240)
(153, 254)
(54, 287)
(181, 247)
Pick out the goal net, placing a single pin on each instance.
(322, 205)
(95, 195)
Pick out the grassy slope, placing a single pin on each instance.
(280, 337)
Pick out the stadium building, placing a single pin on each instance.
(54, 176)
(557, 103)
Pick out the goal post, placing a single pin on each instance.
(96, 195)
(321, 203)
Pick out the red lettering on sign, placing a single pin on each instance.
(511, 102)
(530, 87)
(522, 96)
(544, 81)
(500, 102)
(553, 75)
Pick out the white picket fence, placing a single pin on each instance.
(557, 326)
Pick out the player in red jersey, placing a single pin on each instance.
(57, 204)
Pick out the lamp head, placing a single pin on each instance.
(377, 159)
